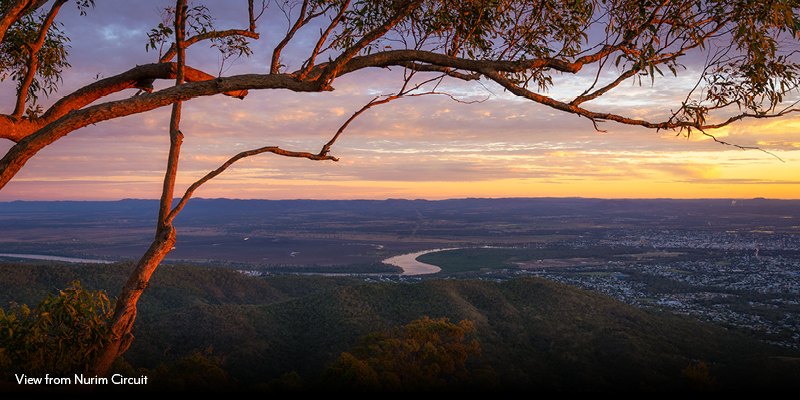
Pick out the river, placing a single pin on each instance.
(56, 258)
(408, 262)
(410, 265)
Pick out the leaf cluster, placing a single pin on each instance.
(62, 335)
(16, 51)
(199, 22)
(759, 67)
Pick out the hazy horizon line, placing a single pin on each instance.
(421, 199)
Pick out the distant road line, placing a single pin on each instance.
(56, 258)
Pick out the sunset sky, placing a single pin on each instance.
(427, 147)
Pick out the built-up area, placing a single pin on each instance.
(749, 281)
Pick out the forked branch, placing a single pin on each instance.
(206, 36)
(33, 60)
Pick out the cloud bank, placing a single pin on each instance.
(422, 147)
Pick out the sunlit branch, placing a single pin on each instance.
(251, 14)
(333, 68)
(276, 53)
(322, 38)
(30, 144)
(14, 11)
(175, 135)
(141, 77)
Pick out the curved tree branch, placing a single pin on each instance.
(15, 11)
(33, 61)
(206, 36)
(141, 77)
(333, 68)
(29, 145)
(232, 160)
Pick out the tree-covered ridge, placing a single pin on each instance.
(535, 334)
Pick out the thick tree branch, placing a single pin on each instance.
(15, 11)
(175, 135)
(25, 149)
(141, 77)
(125, 309)
(402, 57)
(251, 16)
(29, 145)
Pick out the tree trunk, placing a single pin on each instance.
(125, 311)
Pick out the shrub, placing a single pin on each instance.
(62, 336)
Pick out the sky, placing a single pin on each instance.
(428, 147)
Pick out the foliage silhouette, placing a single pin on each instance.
(701, 380)
(427, 354)
(63, 335)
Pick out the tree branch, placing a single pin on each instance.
(276, 53)
(141, 77)
(205, 36)
(33, 49)
(15, 11)
(175, 135)
(125, 310)
(29, 145)
(231, 161)
(599, 92)
(308, 64)
(333, 68)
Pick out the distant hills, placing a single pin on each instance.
(537, 205)
(537, 335)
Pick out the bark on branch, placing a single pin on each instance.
(333, 68)
(33, 61)
(29, 145)
(141, 77)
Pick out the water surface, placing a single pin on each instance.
(55, 258)
(410, 265)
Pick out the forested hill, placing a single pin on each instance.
(208, 209)
(535, 334)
